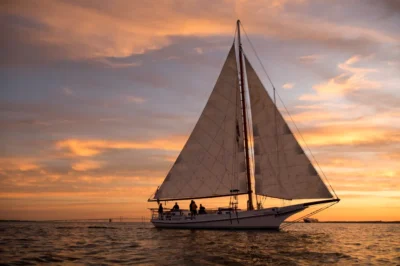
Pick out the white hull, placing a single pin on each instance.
(270, 218)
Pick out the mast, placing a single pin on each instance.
(242, 92)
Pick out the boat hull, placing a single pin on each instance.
(264, 219)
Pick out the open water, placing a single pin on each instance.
(136, 243)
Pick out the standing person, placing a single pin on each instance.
(160, 211)
(194, 208)
(191, 208)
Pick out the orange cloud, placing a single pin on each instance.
(131, 192)
(308, 59)
(98, 31)
(347, 135)
(21, 164)
(87, 165)
(313, 116)
(94, 147)
(337, 162)
(353, 78)
(391, 155)
(288, 85)
(97, 180)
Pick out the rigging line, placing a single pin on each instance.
(254, 50)
(287, 111)
(278, 172)
(308, 215)
(236, 141)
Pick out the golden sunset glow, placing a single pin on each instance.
(99, 98)
(94, 147)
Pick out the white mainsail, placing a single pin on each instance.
(282, 169)
(211, 163)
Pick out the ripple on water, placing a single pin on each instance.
(68, 227)
(101, 227)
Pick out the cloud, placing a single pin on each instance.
(351, 135)
(315, 116)
(380, 100)
(87, 165)
(288, 86)
(68, 92)
(391, 7)
(87, 195)
(21, 164)
(392, 155)
(97, 30)
(134, 99)
(352, 79)
(94, 147)
(309, 59)
(115, 64)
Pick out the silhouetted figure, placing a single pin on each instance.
(176, 207)
(193, 208)
(202, 209)
(160, 211)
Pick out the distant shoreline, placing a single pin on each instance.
(101, 220)
(353, 222)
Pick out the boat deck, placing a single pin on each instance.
(185, 214)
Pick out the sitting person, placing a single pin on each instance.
(202, 210)
(176, 207)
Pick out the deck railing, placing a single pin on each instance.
(186, 214)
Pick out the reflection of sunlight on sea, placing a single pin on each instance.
(133, 243)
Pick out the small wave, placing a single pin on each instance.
(89, 246)
(21, 262)
(101, 227)
(133, 245)
(71, 258)
(68, 227)
(26, 240)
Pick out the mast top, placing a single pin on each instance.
(238, 31)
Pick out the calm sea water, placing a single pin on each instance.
(135, 243)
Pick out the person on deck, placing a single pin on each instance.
(176, 207)
(193, 208)
(202, 209)
(160, 211)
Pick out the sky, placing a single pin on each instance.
(98, 97)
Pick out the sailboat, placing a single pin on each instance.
(224, 157)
